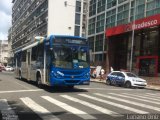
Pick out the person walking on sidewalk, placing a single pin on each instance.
(94, 73)
(101, 74)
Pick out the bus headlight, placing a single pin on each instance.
(86, 82)
(87, 75)
(58, 74)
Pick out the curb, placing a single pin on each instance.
(147, 87)
(151, 88)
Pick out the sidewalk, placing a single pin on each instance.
(153, 82)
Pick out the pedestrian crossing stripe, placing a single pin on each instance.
(45, 114)
(129, 102)
(39, 110)
(6, 111)
(98, 108)
(153, 100)
(155, 95)
(69, 108)
(135, 98)
(115, 104)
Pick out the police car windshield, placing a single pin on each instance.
(130, 74)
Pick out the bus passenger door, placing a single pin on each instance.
(17, 60)
(29, 65)
(47, 65)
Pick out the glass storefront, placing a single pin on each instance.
(146, 46)
(146, 51)
(147, 65)
(118, 52)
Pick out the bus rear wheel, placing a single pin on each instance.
(20, 75)
(39, 82)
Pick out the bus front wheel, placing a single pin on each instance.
(70, 86)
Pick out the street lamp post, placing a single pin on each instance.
(133, 28)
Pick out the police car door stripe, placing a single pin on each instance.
(129, 102)
(6, 111)
(144, 98)
(137, 98)
(98, 108)
(114, 104)
(71, 109)
(39, 110)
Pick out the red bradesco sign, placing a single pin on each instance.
(139, 24)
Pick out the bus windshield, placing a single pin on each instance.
(70, 57)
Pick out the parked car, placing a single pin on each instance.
(9, 68)
(126, 79)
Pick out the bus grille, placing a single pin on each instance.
(72, 81)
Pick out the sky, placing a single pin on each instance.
(5, 18)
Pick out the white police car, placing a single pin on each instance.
(126, 79)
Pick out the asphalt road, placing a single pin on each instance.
(20, 100)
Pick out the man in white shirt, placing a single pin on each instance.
(101, 74)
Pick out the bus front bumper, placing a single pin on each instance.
(66, 82)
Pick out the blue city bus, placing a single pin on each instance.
(57, 60)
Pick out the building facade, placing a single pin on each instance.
(3, 52)
(32, 18)
(125, 34)
(10, 52)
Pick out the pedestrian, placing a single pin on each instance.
(94, 73)
(112, 69)
(101, 74)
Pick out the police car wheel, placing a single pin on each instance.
(108, 82)
(128, 84)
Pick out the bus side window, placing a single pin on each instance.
(18, 57)
(40, 54)
(23, 58)
(34, 53)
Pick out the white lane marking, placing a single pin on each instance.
(6, 111)
(105, 89)
(17, 91)
(114, 104)
(144, 98)
(39, 110)
(130, 102)
(98, 108)
(22, 85)
(71, 109)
